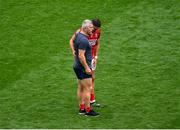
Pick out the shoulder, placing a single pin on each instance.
(82, 37)
(98, 31)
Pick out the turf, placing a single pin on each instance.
(138, 67)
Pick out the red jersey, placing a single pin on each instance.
(93, 40)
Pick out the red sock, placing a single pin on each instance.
(88, 109)
(81, 106)
(92, 97)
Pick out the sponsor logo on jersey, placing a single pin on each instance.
(93, 42)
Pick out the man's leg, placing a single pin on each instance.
(87, 85)
(92, 99)
(80, 97)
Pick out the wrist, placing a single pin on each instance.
(96, 57)
(86, 67)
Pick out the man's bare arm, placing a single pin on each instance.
(83, 61)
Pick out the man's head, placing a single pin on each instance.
(96, 23)
(87, 26)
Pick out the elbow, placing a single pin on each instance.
(80, 57)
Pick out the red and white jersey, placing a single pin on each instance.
(93, 40)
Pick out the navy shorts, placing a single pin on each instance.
(81, 74)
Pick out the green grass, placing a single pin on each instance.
(138, 69)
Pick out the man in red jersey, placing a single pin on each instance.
(94, 39)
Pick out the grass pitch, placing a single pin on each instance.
(137, 77)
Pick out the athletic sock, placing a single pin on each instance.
(92, 97)
(81, 106)
(88, 109)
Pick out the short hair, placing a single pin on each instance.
(86, 23)
(96, 22)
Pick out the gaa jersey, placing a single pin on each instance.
(93, 40)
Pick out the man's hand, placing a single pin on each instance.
(93, 64)
(88, 71)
